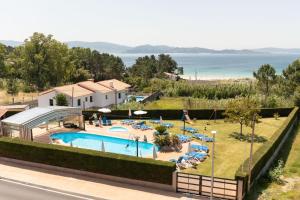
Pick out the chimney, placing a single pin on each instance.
(91, 79)
(111, 84)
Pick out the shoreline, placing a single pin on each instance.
(218, 79)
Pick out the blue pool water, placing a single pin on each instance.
(118, 129)
(111, 144)
(138, 98)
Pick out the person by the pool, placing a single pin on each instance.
(100, 121)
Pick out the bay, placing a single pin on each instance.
(222, 66)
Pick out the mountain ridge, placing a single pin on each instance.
(109, 47)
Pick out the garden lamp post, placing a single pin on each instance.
(183, 118)
(212, 165)
(137, 145)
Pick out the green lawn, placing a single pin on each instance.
(185, 103)
(291, 177)
(230, 153)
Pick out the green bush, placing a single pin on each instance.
(276, 116)
(276, 173)
(161, 130)
(89, 160)
(162, 140)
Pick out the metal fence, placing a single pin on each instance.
(194, 184)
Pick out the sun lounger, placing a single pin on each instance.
(127, 122)
(155, 121)
(145, 127)
(183, 138)
(167, 125)
(203, 137)
(190, 129)
(197, 155)
(200, 147)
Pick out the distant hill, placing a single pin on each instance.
(278, 50)
(11, 43)
(100, 46)
(168, 49)
(107, 47)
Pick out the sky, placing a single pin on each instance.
(218, 24)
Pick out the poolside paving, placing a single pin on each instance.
(42, 135)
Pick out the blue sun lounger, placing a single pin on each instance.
(167, 125)
(203, 137)
(197, 155)
(183, 138)
(200, 147)
(190, 129)
(155, 121)
(127, 121)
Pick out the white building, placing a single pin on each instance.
(87, 94)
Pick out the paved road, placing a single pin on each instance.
(14, 190)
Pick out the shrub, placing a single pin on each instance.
(162, 140)
(276, 173)
(297, 96)
(61, 100)
(132, 99)
(276, 116)
(161, 130)
(88, 160)
(175, 140)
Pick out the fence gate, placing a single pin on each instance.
(201, 185)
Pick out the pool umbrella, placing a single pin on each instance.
(189, 148)
(140, 112)
(129, 113)
(160, 120)
(102, 146)
(154, 153)
(104, 110)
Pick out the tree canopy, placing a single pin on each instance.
(266, 77)
(43, 62)
(61, 100)
(242, 110)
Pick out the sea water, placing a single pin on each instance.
(222, 66)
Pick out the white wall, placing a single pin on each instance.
(83, 103)
(43, 100)
(123, 96)
(99, 99)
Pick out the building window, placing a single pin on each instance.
(106, 97)
(91, 98)
(86, 99)
(51, 102)
(78, 102)
(119, 95)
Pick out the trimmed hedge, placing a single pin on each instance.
(263, 154)
(88, 160)
(177, 114)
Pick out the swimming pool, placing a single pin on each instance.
(137, 98)
(111, 144)
(118, 129)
